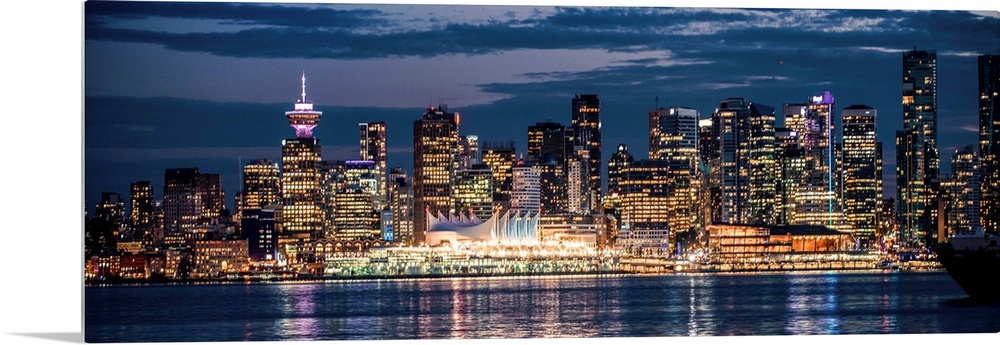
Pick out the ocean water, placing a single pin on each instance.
(818, 303)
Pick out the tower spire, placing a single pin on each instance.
(303, 86)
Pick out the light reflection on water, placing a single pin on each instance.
(571, 306)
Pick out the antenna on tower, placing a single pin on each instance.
(303, 86)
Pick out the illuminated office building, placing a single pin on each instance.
(963, 211)
(302, 211)
(473, 191)
(644, 212)
(213, 198)
(373, 148)
(181, 204)
(587, 132)
(577, 191)
(674, 138)
(261, 184)
(547, 137)
(917, 158)
(141, 200)
(743, 166)
(862, 172)
(500, 158)
(112, 208)
(790, 169)
(620, 160)
(435, 147)
(468, 151)
(552, 182)
(355, 218)
(401, 205)
(711, 193)
(258, 227)
(816, 200)
(989, 142)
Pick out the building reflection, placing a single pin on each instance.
(812, 305)
(298, 307)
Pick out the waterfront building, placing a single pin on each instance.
(917, 161)
(373, 140)
(213, 198)
(302, 202)
(259, 228)
(473, 191)
(743, 165)
(512, 228)
(989, 142)
(963, 209)
(644, 211)
(435, 147)
(675, 140)
(525, 194)
(141, 210)
(586, 126)
(734, 243)
(220, 258)
(181, 204)
(500, 158)
(862, 172)
(571, 228)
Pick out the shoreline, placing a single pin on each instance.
(356, 279)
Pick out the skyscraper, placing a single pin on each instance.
(302, 212)
(181, 203)
(917, 162)
(401, 205)
(743, 167)
(500, 158)
(963, 211)
(474, 191)
(261, 184)
(587, 131)
(373, 148)
(213, 198)
(816, 199)
(644, 214)
(862, 172)
(989, 142)
(547, 137)
(674, 139)
(790, 169)
(141, 199)
(525, 194)
(435, 146)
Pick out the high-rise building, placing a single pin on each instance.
(141, 199)
(525, 194)
(862, 172)
(790, 168)
(587, 132)
(435, 147)
(259, 229)
(112, 208)
(577, 183)
(213, 198)
(500, 158)
(917, 162)
(302, 211)
(373, 148)
(401, 205)
(817, 198)
(261, 184)
(743, 166)
(711, 193)
(989, 142)
(474, 191)
(963, 211)
(552, 180)
(547, 137)
(644, 212)
(181, 203)
(674, 139)
(468, 151)
(355, 218)
(620, 160)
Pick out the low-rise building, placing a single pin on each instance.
(753, 243)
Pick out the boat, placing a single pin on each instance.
(886, 265)
(973, 261)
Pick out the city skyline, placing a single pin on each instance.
(635, 66)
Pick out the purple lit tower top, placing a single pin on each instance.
(303, 118)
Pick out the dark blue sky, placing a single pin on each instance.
(206, 84)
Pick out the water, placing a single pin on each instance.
(535, 307)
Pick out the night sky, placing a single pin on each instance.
(206, 85)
